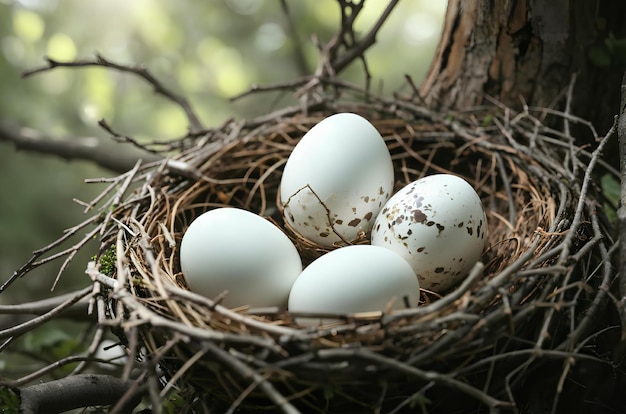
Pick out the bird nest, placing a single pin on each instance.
(541, 281)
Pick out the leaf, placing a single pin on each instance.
(600, 55)
(611, 190)
(9, 401)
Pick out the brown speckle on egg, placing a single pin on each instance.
(340, 222)
(470, 230)
(366, 199)
(324, 234)
(419, 216)
(439, 269)
(368, 216)
(354, 223)
(440, 227)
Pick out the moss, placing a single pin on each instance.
(107, 261)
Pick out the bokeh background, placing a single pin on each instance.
(207, 51)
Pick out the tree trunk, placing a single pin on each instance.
(527, 51)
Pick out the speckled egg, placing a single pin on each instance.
(336, 180)
(438, 225)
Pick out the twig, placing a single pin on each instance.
(86, 148)
(138, 70)
(20, 329)
(40, 307)
(621, 212)
(246, 372)
(298, 48)
(359, 48)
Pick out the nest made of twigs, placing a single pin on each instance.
(536, 286)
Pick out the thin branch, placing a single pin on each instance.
(22, 328)
(85, 148)
(621, 212)
(138, 70)
(360, 47)
(298, 48)
(40, 307)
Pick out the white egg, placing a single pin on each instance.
(438, 225)
(351, 279)
(336, 180)
(234, 250)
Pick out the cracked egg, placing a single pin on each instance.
(336, 180)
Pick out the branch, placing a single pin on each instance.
(298, 48)
(73, 392)
(86, 149)
(358, 49)
(621, 212)
(138, 70)
(40, 307)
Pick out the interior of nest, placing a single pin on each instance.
(246, 173)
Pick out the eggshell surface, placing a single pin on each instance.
(234, 250)
(438, 225)
(336, 180)
(359, 278)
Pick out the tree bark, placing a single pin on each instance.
(527, 51)
(75, 392)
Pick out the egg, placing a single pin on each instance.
(336, 180)
(351, 279)
(438, 225)
(234, 250)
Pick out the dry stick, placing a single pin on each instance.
(248, 373)
(22, 328)
(621, 212)
(138, 70)
(147, 316)
(76, 148)
(42, 306)
(50, 368)
(443, 379)
(298, 47)
(359, 48)
(33, 262)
